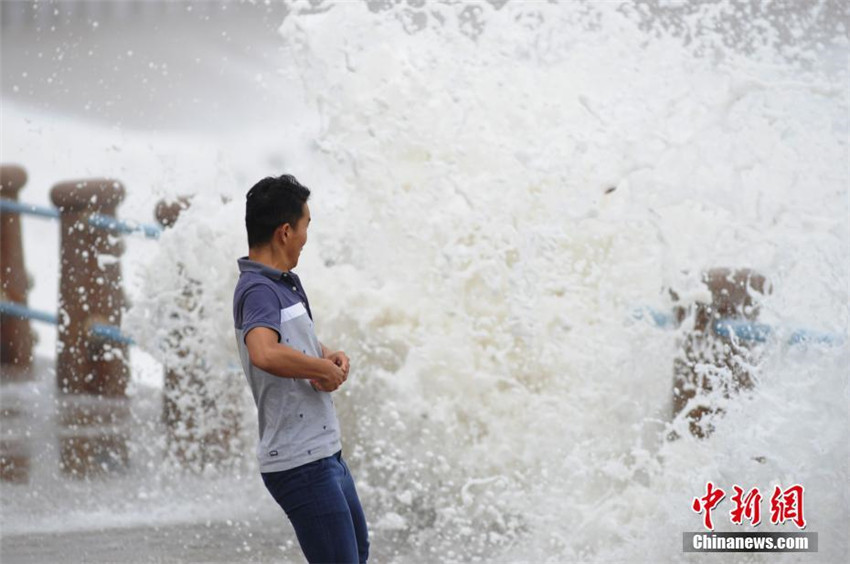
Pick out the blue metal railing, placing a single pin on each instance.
(759, 332)
(18, 310)
(110, 332)
(109, 223)
(743, 329)
(659, 319)
(100, 221)
(16, 207)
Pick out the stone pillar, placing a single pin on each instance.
(731, 292)
(91, 373)
(16, 338)
(201, 420)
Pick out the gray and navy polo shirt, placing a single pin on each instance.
(298, 424)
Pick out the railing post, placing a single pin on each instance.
(91, 373)
(181, 384)
(708, 362)
(16, 338)
(200, 425)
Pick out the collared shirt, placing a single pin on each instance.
(297, 424)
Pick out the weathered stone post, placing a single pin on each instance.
(709, 362)
(201, 420)
(16, 338)
(91, 373)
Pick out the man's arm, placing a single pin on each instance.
(268, 354)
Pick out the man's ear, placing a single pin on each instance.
(284, 231)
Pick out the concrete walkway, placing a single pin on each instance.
(199, 542)
(217, 542)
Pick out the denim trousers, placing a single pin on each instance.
(321, 502)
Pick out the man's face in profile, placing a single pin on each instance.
(298, 236)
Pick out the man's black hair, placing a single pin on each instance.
(270, 203)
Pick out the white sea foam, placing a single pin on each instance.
(470, 256)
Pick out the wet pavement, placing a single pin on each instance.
(191, 542)
(230, 542)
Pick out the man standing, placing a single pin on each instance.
(292, 376)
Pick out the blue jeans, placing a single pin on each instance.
(322, 504)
